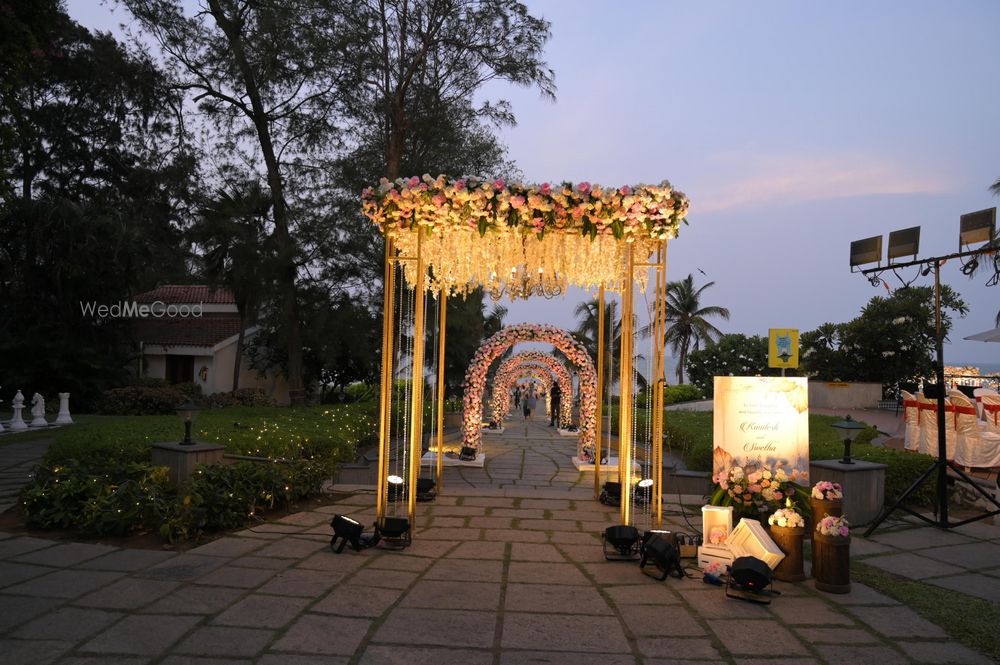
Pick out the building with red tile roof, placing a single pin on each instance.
(189, 333)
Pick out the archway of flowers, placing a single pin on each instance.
(449, 236)
(512, 377)
(502, 383)
(495, 346)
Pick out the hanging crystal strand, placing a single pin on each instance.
(407, 392)
(400, 403)
(433, 396)
(650, 389)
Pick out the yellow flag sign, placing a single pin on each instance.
(783, 348)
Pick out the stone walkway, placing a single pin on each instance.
(528, 455)
(505, 573)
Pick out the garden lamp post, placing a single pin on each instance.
(848, 429)
(187, 413)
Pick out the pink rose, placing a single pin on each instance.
(498, 184)
(545, 189)
(414, 181)
(583, 187)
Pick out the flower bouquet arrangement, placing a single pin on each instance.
(824, 490)
(834, 527)
(788, 531)
(787, 517)
(755, 490)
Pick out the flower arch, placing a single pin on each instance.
(492, 348)
(507, 374)
(533, 372)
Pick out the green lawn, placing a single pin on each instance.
(278, 432)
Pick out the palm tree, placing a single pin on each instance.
(687, 327)
(232, 231)
(586, 331)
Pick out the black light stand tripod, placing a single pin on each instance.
(940, 466)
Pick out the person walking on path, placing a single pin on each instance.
(529, 404)
(555, 395)
(517, 398)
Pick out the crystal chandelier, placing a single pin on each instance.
(523, 283)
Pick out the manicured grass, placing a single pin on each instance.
(972, 621)
(277, 432)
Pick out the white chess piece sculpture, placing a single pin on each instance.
(38, 411)
(17, 423)
(64, 418)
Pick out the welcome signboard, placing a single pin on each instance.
(762, 421)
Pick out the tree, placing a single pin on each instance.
(586, 332)
(265, 75)
(96, 182)
(892, 340)
(731, 355)
(425, 56)
(820, 354)
(686, 318)
(232, 232)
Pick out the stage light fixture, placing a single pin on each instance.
(425, 489)
(867, 250)
(397, 489)
(644, 492)
(623, 541)
(905, 242)
(611, 494)
(346, 530)
(750, 579)
(467, 454)
(395, 532)
(658, 549)
(976, 227)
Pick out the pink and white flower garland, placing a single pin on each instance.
(504, 378)
(650, 211)
(492, 348)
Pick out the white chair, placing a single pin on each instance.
(927, 418)
(911, 421)
(991, 413)
(929, 428)
(978, 394)
(976, 447)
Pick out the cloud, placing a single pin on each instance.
(741, 181)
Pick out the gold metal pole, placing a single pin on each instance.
(443, 305)
(659, 317)
(600, 392)
(417, 386)
(625, 393)
(389, 285)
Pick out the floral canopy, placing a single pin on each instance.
(478, 232)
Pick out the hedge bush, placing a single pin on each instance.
(141, 401)
(249, 397)
(98, 478)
